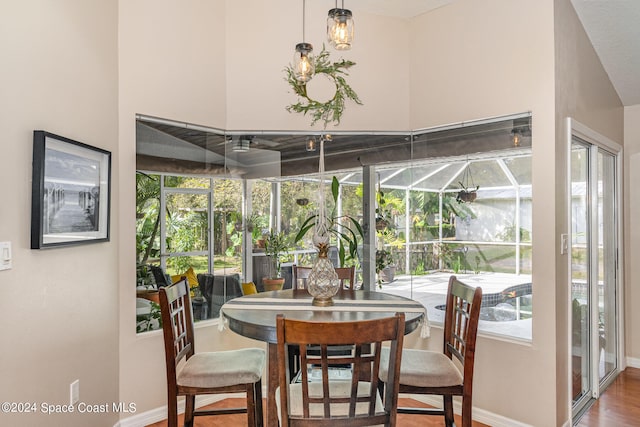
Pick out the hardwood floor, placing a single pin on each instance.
(241, 419)
(619, 405)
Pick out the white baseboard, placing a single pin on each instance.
(480, 415)
(158, 414)
(633, 362)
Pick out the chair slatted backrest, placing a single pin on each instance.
(177, 324)
(366, 337)
(300, 272)
(462, 314)
(344, 274)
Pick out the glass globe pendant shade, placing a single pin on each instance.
(340, 28)
(303, 62)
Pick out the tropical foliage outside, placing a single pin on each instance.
(187, 211)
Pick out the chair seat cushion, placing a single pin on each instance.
(421, 368)
(222, 368)
(336, 389)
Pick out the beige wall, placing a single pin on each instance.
(475, 60)
(172, 61)
(632, 245)
(584, 93)
(261, 41)
(171, 66)
(59, 306)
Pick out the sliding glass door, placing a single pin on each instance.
(594, 266)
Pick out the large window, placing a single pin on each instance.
(447, 201)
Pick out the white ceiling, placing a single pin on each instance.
(613, 26)
(402, 8)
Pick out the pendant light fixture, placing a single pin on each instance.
(303, 61)
(311, 144)
(340, 27)
(516, 137)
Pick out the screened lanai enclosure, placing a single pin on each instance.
(430, 203)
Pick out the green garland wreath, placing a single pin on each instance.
(329, 111)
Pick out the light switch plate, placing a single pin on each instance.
(564, 244)
(5, 255)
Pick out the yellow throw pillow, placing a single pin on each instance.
(191, 276)
(249, 288)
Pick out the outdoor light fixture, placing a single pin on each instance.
(516, 137)
(311, 144)
(241, 144)
(303, 61)
(340, 27)
(521, 131)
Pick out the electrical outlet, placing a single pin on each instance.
(74, 392)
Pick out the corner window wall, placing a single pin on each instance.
(429, 229)
(455, 200)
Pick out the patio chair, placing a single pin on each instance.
(432, 372)
(204, 373)
(347, 275)
(347, 397)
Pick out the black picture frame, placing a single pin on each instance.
(70, 193)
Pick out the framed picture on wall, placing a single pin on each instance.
(70, 194)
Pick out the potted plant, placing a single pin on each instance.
(236, 219)
(275, 246)
(385, 267)
(467, 195)
(387, 207)
(468, 189)
(256, 223)
(144, 278)
(382, 212)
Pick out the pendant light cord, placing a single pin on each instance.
(321, 213)
(321, 232)
(304, 7)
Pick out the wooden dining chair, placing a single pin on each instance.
(433, 372)
(204, 373)
(347, 275)
(348, 397)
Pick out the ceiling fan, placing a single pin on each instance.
(242, 143)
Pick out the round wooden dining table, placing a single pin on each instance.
(254, 316)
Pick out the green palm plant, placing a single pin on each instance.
(348, 235)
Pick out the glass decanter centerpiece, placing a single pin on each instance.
(323, 282)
